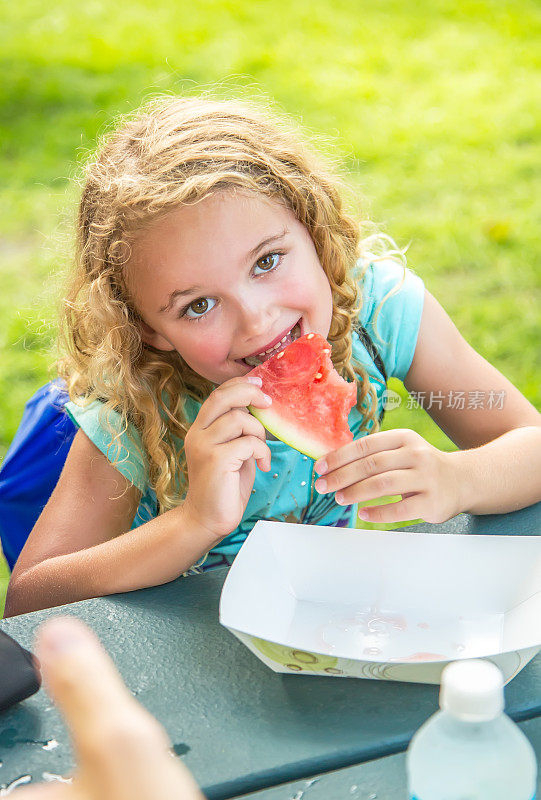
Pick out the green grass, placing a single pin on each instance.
(432, 108)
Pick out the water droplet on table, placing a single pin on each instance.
(5, 790)
(51, 744)
(181, 749)
(51, 776)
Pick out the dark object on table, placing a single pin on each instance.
(19, 677)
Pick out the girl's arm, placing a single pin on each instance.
(81, 545)
(498, 429)
(496, 471)
(444, 365)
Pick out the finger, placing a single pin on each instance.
(236, 452)
(86, 686)
(236, 393)
(122, 750)
(400, 481)
(69, 654)
(363, 447)
(237, 422)
(364, 468)
(405, 510)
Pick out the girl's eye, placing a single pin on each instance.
(198, 308)
(268, 261)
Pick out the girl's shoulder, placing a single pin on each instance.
(385, 281)
(119, 441)
(392, 298)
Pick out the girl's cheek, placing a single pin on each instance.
(209, 351)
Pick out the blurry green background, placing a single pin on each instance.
(432, 107)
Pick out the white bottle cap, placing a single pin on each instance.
(472, 690)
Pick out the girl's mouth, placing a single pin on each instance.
(259, 358)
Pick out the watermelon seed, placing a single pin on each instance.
(318, 375)
(326, 351)
(280, 354)
(310, 336)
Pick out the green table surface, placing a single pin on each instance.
(236, 724)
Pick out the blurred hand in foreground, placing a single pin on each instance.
(122, 752)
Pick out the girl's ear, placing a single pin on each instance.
(154, 339)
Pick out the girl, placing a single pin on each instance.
(209, 235)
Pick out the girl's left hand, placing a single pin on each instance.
(397, 462)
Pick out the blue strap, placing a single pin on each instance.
(372, 351)
(32, 465)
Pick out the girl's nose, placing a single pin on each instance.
(254, 320)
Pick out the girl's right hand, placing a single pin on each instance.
(222, 447)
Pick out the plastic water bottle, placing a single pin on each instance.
(471, 750)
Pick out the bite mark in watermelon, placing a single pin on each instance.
(310, 401)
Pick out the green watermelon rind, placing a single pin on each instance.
(289, 433)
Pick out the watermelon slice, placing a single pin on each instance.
(310, 401)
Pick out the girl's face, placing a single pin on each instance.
(226, 279)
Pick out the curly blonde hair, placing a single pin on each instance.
(178, 151)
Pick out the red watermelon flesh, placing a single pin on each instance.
(310, 401)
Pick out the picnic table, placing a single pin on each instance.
(241, 728)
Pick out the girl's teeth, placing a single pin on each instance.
(278, 346)
(254, 361)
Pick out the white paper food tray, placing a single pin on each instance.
(389, 605)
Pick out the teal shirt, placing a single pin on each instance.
(286, 493)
